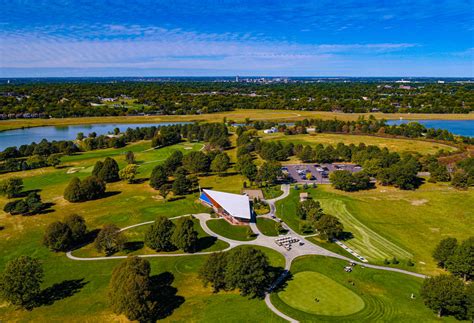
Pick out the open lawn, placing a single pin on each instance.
(80, 287)
(267, 226)
(364, 295)
(83, 292)
(387, 222)
(135, 243)
(237, 116)
(393, 144)
(315, 293)
(225, 229)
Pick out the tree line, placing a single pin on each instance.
(47, 153)
(85, 99)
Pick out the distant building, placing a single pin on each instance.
(235, 208)
(271, 130)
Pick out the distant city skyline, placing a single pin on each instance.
(228, 38)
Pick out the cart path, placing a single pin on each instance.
(296, 251)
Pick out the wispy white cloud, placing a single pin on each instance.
(157, 47)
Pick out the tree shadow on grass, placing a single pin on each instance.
(164, 295)
(345, 235)
(140, 180)
(280, 284)
(25, 193)
(60, 291)
(132, 246)
(176, 198)
(109, 194)
(205, 242)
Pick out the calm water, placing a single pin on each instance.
(20, 137)
(458, 127)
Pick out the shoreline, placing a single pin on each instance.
(236, 115)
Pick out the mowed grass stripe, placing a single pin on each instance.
(366, 241)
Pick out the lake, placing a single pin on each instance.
(24, 136)
(458, 127)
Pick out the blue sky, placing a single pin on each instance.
(217, 38)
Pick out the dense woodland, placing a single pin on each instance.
(130, 98)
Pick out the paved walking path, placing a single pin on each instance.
(296, 251)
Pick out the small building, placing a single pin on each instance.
(271, 130)
(303, 196)
(235, 208)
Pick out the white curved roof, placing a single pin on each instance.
(235, 204)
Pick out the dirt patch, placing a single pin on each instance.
(419, 202)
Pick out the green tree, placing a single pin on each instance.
(16, 207)
(279, 227)
(269, 172)
(196, 162)
(470, 302)
(54, 160)
(78, 227)
(181, 184)
(58, 236)
(20, 282)
(92, 188)
(184, 236)
(73, 191)
(248, 270)
(130, 290)
(11, 187)
(158, 177)
(130, 157)
(460, 180)
(165, 189)
(329, 227)
(97, 167)
(220, 163)
(172, 163)
(129, 172)
(443, 294)
(247, 168)
(444, 250)
(110, 239)
(34, 203)
(158, 236)
(309, 210)
(214, 271)
(461, 263)
(109, 172)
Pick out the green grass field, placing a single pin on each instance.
(393, 144)
(382, 220)
(238, 115)
(315, 293)
(388, 222)
(135, 243)
(267, 227)
(225, 229)
(364, 295)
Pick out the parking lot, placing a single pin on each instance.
(316, 173)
